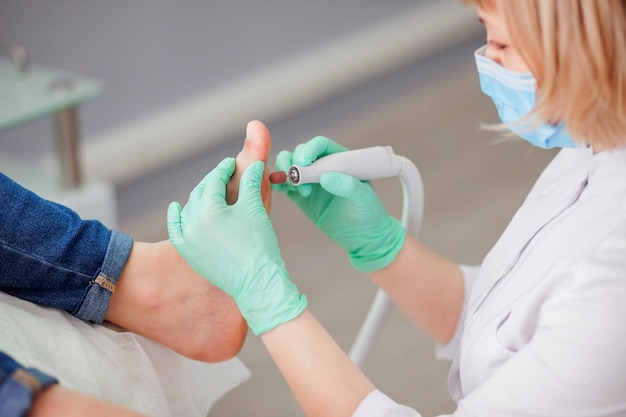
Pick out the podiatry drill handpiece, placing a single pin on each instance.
(365, 164)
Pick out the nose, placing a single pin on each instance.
(493, 54)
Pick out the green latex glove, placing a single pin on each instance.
(235, 247)
(344, 208)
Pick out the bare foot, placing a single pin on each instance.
(159, 296)
(256, 147)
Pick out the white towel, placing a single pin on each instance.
(112, 364)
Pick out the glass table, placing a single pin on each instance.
(28, 93)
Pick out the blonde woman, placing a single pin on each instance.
(538, 328)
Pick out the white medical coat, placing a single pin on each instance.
(543, 329)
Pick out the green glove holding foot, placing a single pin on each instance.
(235, 247)
(346, 209)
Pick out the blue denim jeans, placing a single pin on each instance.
(18, 387)
(50, 256)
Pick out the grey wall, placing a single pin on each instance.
(152, 53)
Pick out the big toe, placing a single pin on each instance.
(257, 146)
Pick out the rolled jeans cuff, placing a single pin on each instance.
(96, 302)
(18, 386)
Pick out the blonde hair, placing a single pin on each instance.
(576, 49)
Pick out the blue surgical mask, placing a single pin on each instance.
(513, 94)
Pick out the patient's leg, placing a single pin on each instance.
(161, 297)
(58, 401)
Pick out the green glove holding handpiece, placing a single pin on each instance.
(235, 247)
(345, 209)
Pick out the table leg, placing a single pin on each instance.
(67, 145)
